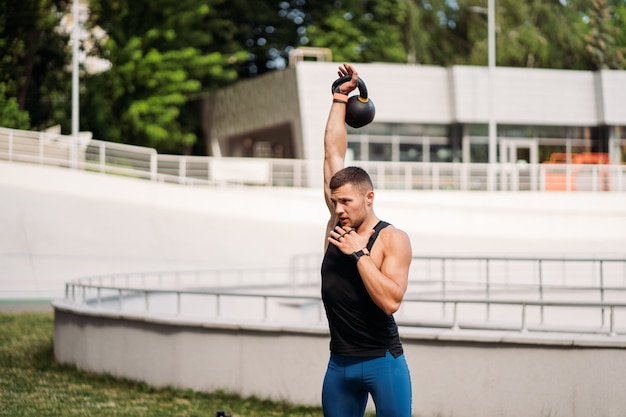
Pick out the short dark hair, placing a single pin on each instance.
(352, 175)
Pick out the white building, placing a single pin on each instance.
(425, 114)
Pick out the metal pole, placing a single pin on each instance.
(75, 113)
(488, 288)
(493, 155)
(541, 288)
(443, 286)
(602, 290)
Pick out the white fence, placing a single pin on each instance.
(139, 162)
(572, 295)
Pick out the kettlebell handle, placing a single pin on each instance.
(360, 109)
(359, 84)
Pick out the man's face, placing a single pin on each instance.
(351, 204)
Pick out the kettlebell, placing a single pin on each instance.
(360, 109)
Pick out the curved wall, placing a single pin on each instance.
(58, 224)
(454, 373)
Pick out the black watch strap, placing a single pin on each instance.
(357, 255)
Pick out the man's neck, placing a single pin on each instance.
(368, 224)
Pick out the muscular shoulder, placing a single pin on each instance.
(394, 240)
(393, 254)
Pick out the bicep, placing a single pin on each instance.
(331, 166)
(397, 260)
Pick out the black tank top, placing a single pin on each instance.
(358, 327)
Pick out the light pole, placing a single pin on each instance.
(491, 65)
(493, 135)
(75, 113)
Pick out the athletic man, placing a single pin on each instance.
(364, 277)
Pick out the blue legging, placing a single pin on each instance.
(348, 381)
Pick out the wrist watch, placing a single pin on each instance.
(357, 255)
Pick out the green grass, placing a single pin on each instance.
(33, 384)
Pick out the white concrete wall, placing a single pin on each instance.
(545, 97)
(57, 224)
(455, 374)
(527, 97)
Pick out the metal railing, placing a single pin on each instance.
(572, 295)
(113, 158)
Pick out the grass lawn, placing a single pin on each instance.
(33, 384)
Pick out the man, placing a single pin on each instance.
(364, 277)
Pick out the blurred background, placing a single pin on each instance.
(144, 65)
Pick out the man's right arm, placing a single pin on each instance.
(335, 145)
(335, 135)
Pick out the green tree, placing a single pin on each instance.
(10, 114)
(164, 52)
(360, 31)
(266, 29)
(539, 34)
(602, 37)
(529, 33)
(354, 30)
(34, 61)
(161, 52)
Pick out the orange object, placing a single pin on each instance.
(556, 178)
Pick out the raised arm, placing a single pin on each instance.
(335, 135)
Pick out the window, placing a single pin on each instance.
(406, 142)
(379, 151)
(411, 152)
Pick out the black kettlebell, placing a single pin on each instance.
(360, 109)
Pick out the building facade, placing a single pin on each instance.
(426, 114)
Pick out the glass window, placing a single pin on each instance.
(479, 152)
(512, 131)
(552, 153)
(399, 142)
(550, 132)
(372, 129)
(436, 130)
(411, 152)
(379, 151)
(406, 129)
(574, 132)
(440, 153)
(478, 130)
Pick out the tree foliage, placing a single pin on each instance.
(10, 114)
(602, 42)
(33, 63)
(563, 34)
(359, 31)
(163, 53)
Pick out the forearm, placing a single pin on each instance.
(386, 293)
(335, 134)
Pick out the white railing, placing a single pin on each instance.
(145, 163)
(491, 293)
